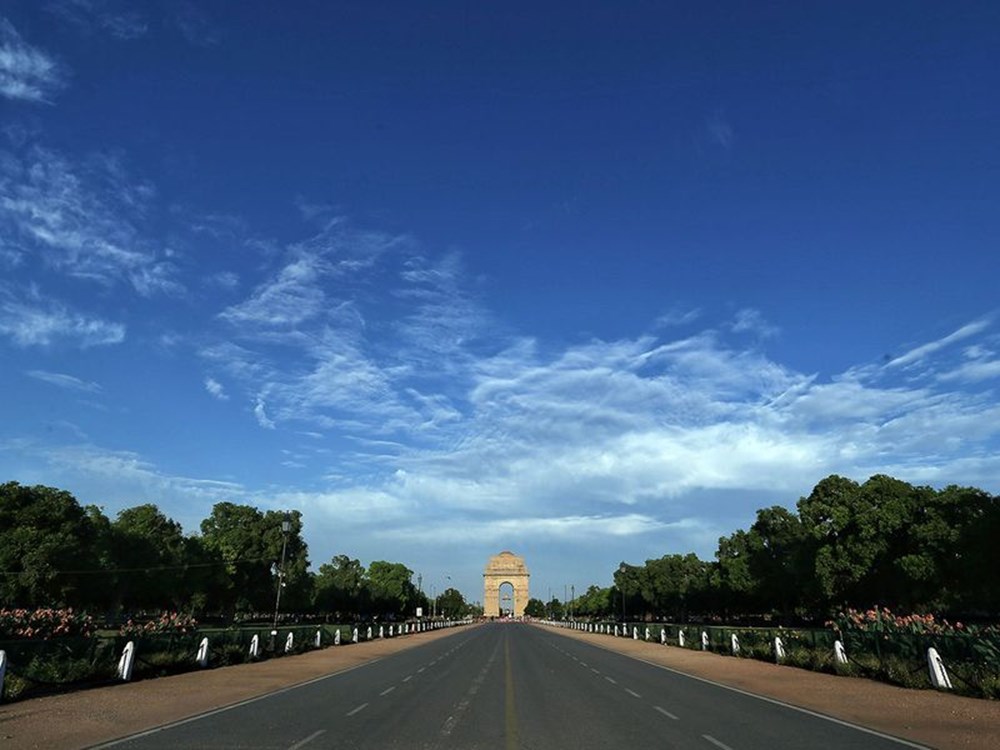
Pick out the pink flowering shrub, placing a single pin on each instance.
(882, 620)
(167, 623)
(44, 624)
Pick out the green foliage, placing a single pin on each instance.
(44, 533)
(451, 604)
(535, 608)
(391, 586)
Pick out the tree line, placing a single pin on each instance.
(55, 552)
(884, 543)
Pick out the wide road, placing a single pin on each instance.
(507, 686)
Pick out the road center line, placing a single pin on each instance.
(665, 712)
(360, 708)
(307, 740)
(388, 690)
(720, 745)
(632, 693)
(594, 670)
(612, 680)
(408, 678)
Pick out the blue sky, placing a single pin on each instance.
(590, 283)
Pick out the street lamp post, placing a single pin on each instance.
(286, 527)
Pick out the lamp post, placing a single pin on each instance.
(286, 527)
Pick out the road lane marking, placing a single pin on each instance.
(463, 704)
(612, 680)
(595, 671)
(237, 704)
(510, 710)
(665, 712)
(307, 740)
(408, 678)
(388, 690)
(632, 693)
(776, 702)
(720, 745)
(421, 670)
(360, 708)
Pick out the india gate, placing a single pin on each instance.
(505, 568)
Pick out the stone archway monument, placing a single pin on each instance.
(505, 568)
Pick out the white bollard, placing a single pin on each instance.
(3, 670)
(126, 662)
(704, 641)
(635, 633)
(939, 675)
(680, 638)
(734, 644)
(289, 642)
(663, 636)
(779, 650)
(336, 638)
(616, 631)
(202, 656)
(255, 646)
(354, 637)
(319, 639)
(381, 631)
(648, 636)
(369, 633)
(838, 652)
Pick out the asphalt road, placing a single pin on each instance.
(507, 686)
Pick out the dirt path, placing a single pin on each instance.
(89, 717)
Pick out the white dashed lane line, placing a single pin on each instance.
(388, 690)
(612, 680)
(632, 693)
(665, 712)
(408, 678)
(359, 709)
(720, 745)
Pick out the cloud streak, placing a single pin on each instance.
(26, 73)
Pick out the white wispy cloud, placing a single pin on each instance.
(214, 387)
(82, 219)
(920, 352)
(260, 412)
(26, 73)
(32, 322)
(749, 320)
(63, 380)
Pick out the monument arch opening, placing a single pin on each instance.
(505, 586)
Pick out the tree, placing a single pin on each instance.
(392, 589)
(534, 608)
(249, 543)
(46, 539)
(595, 602)
(451, 604)
(734, 585)
(148, 551)
(778, 559)
(341, 587)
